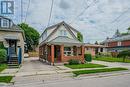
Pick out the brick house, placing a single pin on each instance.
(118, 42)
(12, 37)
(59, 43)
(93, 49)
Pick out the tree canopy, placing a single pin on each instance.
(124, 54)
(80, 37)
(128, 28)
(31, 35)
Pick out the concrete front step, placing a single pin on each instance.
(13, 65)
(12, 62)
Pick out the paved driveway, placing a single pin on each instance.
(33, 72)
(33, 64)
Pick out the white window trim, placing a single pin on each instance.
(119, 43)
(66, 53)
(63, 33)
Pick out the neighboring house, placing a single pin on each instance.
(13, 39)
(93, 49)
(118, 42)
(59, 43)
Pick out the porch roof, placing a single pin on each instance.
(65, 40)
(11, 38)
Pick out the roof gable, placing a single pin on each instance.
(57, 26)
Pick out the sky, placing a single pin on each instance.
(95, 19)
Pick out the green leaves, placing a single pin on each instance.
(3, 55)
(80, 37)
(31, 35)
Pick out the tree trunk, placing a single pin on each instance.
(124, 59)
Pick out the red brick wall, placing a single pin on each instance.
(112, 44)
(125, 43)
(66, 58)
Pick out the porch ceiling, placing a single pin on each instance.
(66, 41)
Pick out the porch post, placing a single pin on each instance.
(83, 51)
(52, 54)
(62, 52)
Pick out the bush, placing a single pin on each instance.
(125, 53)
(3, 55)
(103, 54)
(88, 57)
(73, 62)
(2, 45)
(114, 54)
(97, 56)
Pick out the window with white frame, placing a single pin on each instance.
(63, 33)
(68, 51)
(119, 43)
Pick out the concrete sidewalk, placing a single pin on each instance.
(112, 64)
(53, 72)
(9, 72)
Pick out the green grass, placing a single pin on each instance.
(112, 59)
(2, 67)
(97, 71)
(87, 65)
(5, 79)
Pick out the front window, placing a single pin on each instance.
(5, 23)
(68, 51)
(119, 44)
(63, 33)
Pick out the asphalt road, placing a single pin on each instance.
(63, 81)
(111, 81)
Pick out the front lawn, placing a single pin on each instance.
(97, 71)
(112, 59)
(2, 67)
(5, 79)
(86, 65)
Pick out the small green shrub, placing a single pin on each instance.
(97, 56)
(2, 45)
(103, 54)
(74, 62)
(3, 55)
(88, 57)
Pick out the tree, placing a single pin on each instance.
(80, 37)
(128, 28)
(124, 54)
(96, 43)
(31, 35)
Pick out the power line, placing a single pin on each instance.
(21, 11)
(27, 10)
(50, 13)
(88, 6)
(118, 18)
(120, 15)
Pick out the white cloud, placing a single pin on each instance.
(95, 23)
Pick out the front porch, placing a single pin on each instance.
(55, 53)
(14, 52)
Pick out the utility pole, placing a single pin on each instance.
(21, 11)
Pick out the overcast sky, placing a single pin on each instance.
(94, 19)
